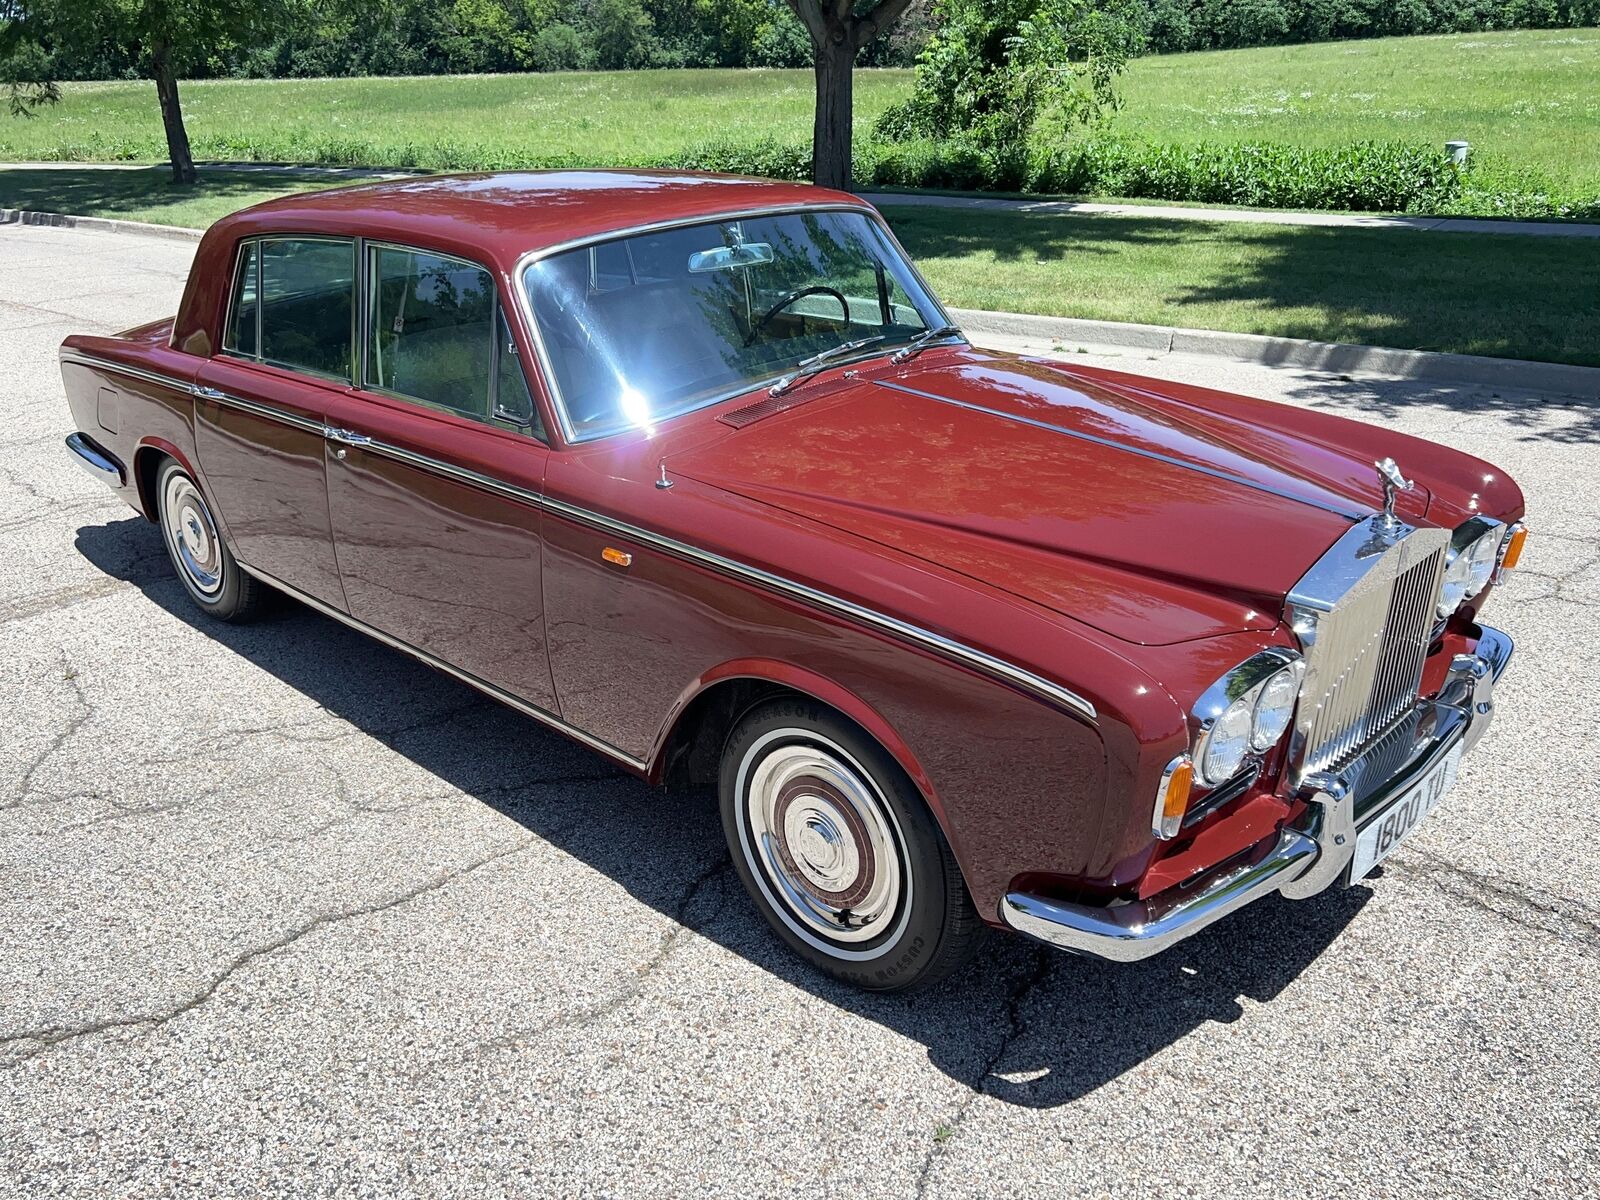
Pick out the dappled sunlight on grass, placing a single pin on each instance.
(146, 194)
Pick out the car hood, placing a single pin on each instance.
(1151, 519)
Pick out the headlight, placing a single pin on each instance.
(1247, 711)
(1470, 563)
(1274, 707)
(1227, 743)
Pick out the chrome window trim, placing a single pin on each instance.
(233, 294)
(525, 302)
(439, 664)
(981, 661)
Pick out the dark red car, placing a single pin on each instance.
(697, 471)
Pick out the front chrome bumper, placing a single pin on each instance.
(1308, 857)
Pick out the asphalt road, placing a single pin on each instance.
(282, 912)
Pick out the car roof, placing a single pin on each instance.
(501, 216)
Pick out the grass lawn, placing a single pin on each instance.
(1507, 296)
(1528, 101)
(1521, 297)
(444, 122)
(1530, 98)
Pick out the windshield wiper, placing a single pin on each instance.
(808, 367)
(922, 341)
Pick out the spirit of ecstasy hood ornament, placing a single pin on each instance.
(1393, 484)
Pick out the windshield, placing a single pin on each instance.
(646, 327)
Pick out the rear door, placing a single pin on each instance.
(436, 464)
(287, 354)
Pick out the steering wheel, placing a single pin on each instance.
(799, 294)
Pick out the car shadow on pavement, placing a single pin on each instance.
(1022, 1023)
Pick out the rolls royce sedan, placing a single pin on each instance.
(697, 471)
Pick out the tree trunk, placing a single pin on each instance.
(172, 114)
(834, 59)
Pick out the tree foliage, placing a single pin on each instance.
(1003, 72)
(1177, 25)
(431, 37)
(161, 40)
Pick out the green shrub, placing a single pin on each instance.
(1364, 176)
(1395, 177)
(768, 158)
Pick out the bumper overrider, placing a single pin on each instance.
(1308, 857)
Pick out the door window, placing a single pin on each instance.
(436, 334)
(307, 292)
(293, 304)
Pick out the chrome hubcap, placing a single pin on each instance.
(826, 841)
(191, 535)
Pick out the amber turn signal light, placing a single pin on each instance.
(619, 558)
(1172, 797)
(1513, 550)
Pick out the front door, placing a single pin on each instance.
(435, 466)
(263, 402)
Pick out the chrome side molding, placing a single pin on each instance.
(984, 663)
(987, 664)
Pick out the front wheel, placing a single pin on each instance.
(202, 560)
(839, 851)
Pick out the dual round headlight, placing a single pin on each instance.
(1252, 706)
(1468, 569)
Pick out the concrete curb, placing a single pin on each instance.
(24, 216)
(1336, 358)
(1004, 330)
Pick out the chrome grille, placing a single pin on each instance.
(1365, 616)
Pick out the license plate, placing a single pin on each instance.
(1394, 824)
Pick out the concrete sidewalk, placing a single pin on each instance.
(1167, 212)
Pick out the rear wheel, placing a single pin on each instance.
(839, 852)
(201, 559)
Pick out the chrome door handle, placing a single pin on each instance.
(347, 437)
(208, 393)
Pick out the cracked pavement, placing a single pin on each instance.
(285, 913)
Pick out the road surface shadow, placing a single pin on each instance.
(1022, 1023)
